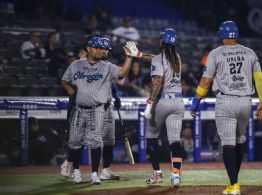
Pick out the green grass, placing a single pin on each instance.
(55, 184)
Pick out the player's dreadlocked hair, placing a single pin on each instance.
(171, 56)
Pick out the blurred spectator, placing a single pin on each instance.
(187, 90)
(188, 76)
(57, 57)
(133, 84)
(204, 59)
(105, 18)
(43, 142)
(7, 9)
(92, 28)
(32, 48)
(125, 32)
(60, 37)
(103, 15)
(79, 53)
(187, 142)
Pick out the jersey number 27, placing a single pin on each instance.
(235, 68)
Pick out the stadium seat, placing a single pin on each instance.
(48, 81)
(56, 91)
(12, 70)
(16, 90)
(36, 90)
(20, 62)
(6, 81)
(33, 71)
(28, 81)
(43, 64)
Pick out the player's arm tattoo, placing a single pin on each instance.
(157, 84)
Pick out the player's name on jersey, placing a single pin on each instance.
(233, 53)
(235, 59)
(88, 77)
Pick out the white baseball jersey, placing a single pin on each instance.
(232, 68)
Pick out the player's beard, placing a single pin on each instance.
(104, 58)
(96, 58)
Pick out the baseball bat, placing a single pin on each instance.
(126, 141)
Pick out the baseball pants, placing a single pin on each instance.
(108, 130)
(170, 112)
(86, 127)
(232, 117)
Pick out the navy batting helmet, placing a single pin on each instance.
(106, 43)
(228, 30)
(95, 42)
(169, 35)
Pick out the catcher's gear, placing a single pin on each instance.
(134, 52)
(228, 30)
(106, 43)
(194, 107)
(169, 36)
(149, 104)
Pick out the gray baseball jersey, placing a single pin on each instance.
(232, 68)
(168, 109)
(172, 82)
(93, 83)
(92, 80)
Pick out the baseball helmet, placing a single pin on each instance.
(106, 43)
(169, 35)
(95, 42)
(228, 30)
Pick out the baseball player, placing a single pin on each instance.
(67, 164)
(165, 105)
(92, 77)
(108, 130)
(231, 67)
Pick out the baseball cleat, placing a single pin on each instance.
(77, 176)
(156, 177)
(66, 168)
(95, 179)
(175, 180)
(232, 189)
(107, 174)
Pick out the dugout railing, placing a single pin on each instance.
(56, 108)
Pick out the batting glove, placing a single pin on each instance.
(134, 52)
(117, 103)
(194, 107)
(147, 113)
